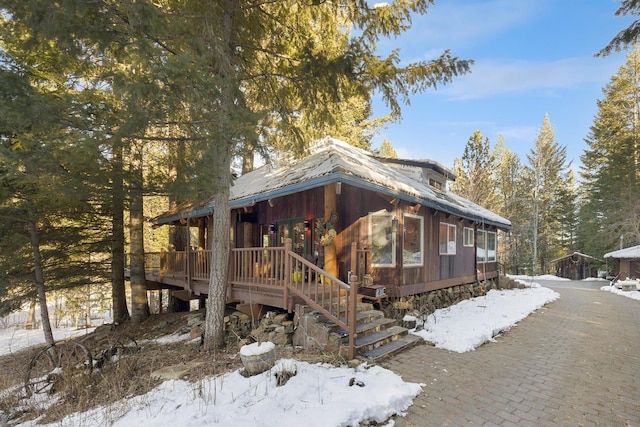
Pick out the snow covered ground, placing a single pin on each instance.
(318, 394)
(629, 294)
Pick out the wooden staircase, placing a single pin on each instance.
(378, 337)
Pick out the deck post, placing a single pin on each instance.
(353, 292)
(354, 258)
(330, 206)
(287, 272)
(188, 261)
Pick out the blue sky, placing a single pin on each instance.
(532, 57)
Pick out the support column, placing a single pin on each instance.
(330, 205)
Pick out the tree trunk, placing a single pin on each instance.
(222, 148)
(214, 329)
(39, 276)
(30, 322)
(139, 300)
(118, 294)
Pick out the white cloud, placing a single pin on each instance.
(498, 77)
(449, 25)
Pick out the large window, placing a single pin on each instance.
(486, 246)
(383, 240)
(447, 239)
(413, 241)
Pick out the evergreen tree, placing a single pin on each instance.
(474, 172)
(546, 176)
(238, 75)
(611, 165)
(568, 214)
(387, 150)
(628, 36)
(51, 218)
(511, 204)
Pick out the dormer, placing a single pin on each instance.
(427, 171)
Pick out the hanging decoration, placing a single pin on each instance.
(325, 230)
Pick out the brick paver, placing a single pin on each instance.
(575, 362)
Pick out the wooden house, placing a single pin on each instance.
(576, 266)
(338, 218)
(627, 262)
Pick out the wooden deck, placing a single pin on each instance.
(274, 276)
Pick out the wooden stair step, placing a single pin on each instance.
(376, 339)
(362, 317)
(374, 325)
(392, 347)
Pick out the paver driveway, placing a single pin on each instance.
(575, 362)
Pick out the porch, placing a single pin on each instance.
(271, 276)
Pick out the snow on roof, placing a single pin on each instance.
(631, 252)
(331, 160)
(571, 256)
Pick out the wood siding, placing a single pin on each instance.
(253, 226)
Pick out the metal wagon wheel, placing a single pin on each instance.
(53, 366)
(41, 371)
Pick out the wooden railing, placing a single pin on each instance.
(277, 270)
(282, 268)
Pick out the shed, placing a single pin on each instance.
(627, 262)
(576, 266)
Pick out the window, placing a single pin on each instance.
(447, 239)
(481, 247)
(413, 241)
(292, 229)
(486, 246)
(468, 237)
(491, 246)
(383, 240)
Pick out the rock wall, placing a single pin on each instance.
(431, 301)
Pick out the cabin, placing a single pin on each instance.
(627, 262)
(576, 266)
(339, 221)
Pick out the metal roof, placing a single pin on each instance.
(331, 160)
(630, 252)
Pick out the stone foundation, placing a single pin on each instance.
(431, 301)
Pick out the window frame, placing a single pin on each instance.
(481, 252)
(489, 238)
(449, 228)
(468, 240)
(490, 249)
(388, 218)
(420, 239)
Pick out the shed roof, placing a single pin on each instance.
(331, 160)
(630, 252)
(581, 255)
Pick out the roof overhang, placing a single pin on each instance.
(321, 181)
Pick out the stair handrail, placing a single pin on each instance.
(301, 283)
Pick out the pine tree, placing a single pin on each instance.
(628, 36)
(387, 150)
(51, 235)
(235, 75)
(546, 174)
(474, 172)
(511, 204)
(611, 165)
